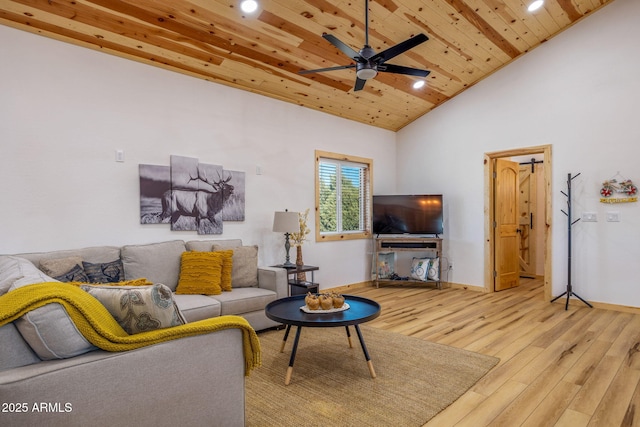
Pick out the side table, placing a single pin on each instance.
(299, 287)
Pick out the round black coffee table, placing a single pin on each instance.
(288, 311)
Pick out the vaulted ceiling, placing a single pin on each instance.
(265, 51)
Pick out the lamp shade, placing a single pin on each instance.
(286, 222)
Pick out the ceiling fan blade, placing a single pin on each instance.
(343, 47)
(396, 50)
(320, 70)
(359, 84)
(399, 69)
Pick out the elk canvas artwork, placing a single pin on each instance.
(155, 181)
(233, 209)
(191, 195)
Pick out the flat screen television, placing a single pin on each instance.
(407, 214)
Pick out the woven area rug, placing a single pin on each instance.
(331, 384)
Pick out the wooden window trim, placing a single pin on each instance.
(366, 233)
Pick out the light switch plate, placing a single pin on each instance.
(589, 217)
(120, 156)
(613, 216)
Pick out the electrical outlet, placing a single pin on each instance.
(589, 217)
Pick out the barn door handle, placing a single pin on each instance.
(531, 221)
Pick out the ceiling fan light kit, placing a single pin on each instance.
(366, 73)
(368, 63)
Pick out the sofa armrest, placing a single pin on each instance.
(196, 380)
(274, 279)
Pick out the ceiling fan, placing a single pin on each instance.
(368, 63)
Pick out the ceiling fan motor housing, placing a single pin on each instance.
(367, 52)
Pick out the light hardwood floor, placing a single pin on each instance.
(572, 368)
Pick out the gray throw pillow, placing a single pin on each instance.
(59, 266)
(19, 270)
(48, 330)
(244, 272)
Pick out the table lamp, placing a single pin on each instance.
(286, 222)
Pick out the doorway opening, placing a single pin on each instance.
(507, 255)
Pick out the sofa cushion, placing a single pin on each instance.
(104, 272)
(200, 273)
(244, 300)
(90, 254)
(197, 307)
(245, 266)
(14, 350)
(207, 245)
(48, 330)
(158, 262)
(138, 308)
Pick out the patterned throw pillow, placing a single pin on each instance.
(200, 273)
(420, 268)
(139, 308)
(434, 269)
(107, 272)
(76, 274)
(227, 269)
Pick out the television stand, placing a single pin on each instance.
(384, 246)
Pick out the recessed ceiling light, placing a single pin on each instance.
(249, 6)
(418, 84)
(537, 4)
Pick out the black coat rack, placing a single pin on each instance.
(569, 292)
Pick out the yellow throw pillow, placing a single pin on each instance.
(200, 273)
(227, 268)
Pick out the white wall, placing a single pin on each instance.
(66, 109)
(579, 92)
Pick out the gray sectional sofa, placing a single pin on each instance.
(195, 381)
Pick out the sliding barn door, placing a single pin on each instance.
(506, 226)
(528, 196)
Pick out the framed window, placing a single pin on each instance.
(343, 197)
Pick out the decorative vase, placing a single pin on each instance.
(301, 276)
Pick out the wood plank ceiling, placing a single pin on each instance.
(263, 52)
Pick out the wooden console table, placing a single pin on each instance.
(431, 245)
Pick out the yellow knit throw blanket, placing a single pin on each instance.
(97, 325)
